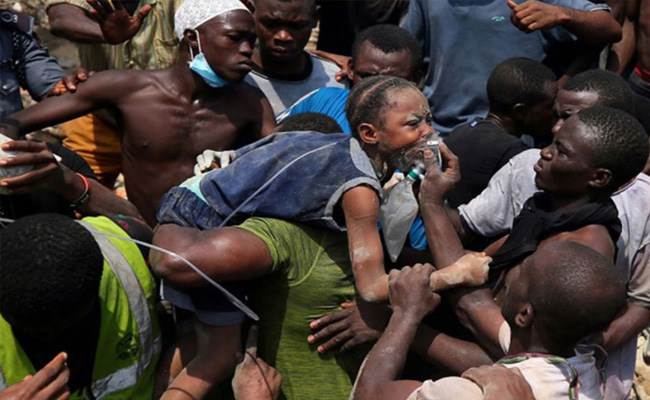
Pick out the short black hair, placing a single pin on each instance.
(612, 90)
(309, 121)
(390, 39)
(368, 98)
(313, 2)
(519, 80)
(619, 141)
(51, 266)
(579, 293)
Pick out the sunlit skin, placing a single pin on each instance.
(170, 116)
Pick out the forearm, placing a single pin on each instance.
(626, 327)
(72, 23)
(595, 28)
(104, 202)
(444, 243)
(448, 353)
(621, 53)
(385, 362)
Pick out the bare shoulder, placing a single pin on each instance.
(594, 236)
(248, 93)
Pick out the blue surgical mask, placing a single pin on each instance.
(200, 65)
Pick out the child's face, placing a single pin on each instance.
(407, 120)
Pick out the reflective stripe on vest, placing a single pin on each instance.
(123, 273)
(126, 377)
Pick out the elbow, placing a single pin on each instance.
(167, 267)
(610, 32)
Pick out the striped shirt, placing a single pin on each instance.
(155, 46)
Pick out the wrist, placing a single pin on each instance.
(407, 315)
(564, 16)
(72, 186)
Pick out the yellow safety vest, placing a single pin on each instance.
(129, 336)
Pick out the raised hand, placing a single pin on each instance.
(117, 24)
(532, 15)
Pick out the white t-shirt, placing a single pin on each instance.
(284, 93)
(493, 211)
(549, 379)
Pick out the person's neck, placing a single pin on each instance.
(504, 122)
(187, 83)
(383, 171)
(534, 343)
(561, 203)
(268, 64)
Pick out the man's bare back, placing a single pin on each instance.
(169, 116)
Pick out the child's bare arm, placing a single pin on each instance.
(361, 209)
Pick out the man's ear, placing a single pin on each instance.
(524, 317)
(190, 38)
(519, 111)
(601, 178)
(350, 73)
(367, 133)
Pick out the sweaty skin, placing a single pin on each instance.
(169, 116)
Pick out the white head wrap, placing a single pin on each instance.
(193, 13)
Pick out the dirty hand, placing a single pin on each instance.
(212, 159)
(254, 379)
(50, 383)
(69, 82)
(437, 184)
(47, 173)
(117, 24)
(470, 270)
(345, 329)
(409, 290)
(533, 15)
(500, 383)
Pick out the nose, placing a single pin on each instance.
(557, 126)
(545, 153)
(427, 130)
(246, 49)
(283, 36)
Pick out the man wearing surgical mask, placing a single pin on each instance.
(169, 116)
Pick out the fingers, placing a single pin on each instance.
(251, 342)
(336, 342)
(98, 12)
(332, 329)
(143, 12)
(449, 158)
(50, 372)
(82, 74)
(29, 146)
(330, 318)
(511, 4)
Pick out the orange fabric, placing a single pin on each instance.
(98, 143)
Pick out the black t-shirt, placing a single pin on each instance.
(482, 148)
(43, 201)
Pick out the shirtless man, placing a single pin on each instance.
(171, 115)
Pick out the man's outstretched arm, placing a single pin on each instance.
(104, 89)
(475, 307)
(224, 254)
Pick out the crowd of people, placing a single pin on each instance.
(442, 200)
